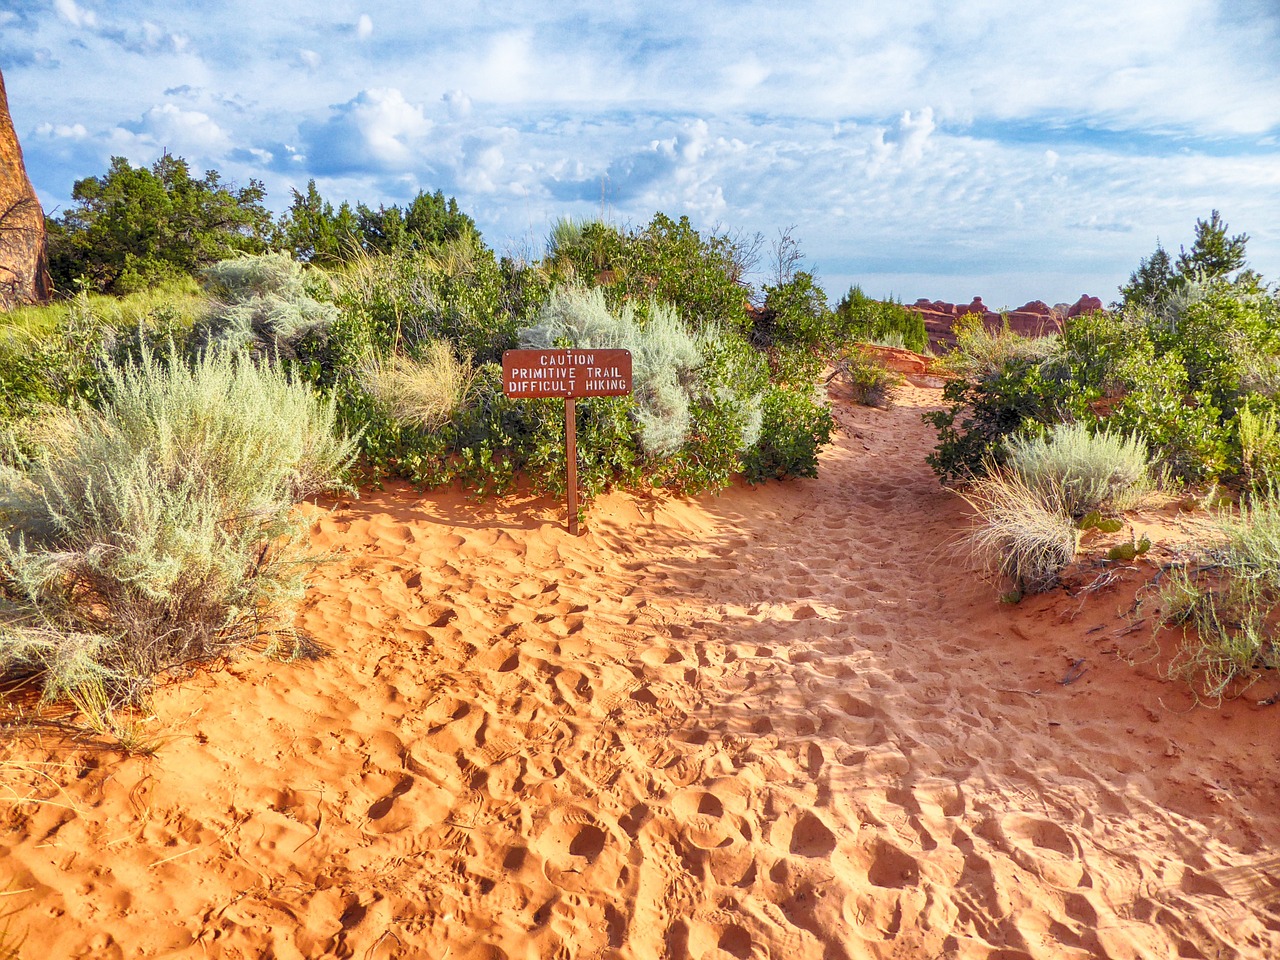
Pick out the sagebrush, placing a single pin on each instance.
(157, 531)
(1084, 470)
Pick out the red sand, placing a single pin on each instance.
(787, 722)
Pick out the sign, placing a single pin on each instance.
(557, 372)
(530, 374)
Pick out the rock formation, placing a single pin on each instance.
(24, 257)
(1034, 319)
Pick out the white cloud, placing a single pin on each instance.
(63, 131)
(914, 139)
(459, 104)
(376, 130)
(192, 130)
(75, 15)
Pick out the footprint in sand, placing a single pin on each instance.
(803, 833)
(380, 809)
(703, 819)
(1044, 848)
(708, 940)
(888, 865)
(575, 848)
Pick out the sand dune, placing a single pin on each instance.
(784, 722)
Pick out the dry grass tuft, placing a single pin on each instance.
(424, 392)
(1023, 534)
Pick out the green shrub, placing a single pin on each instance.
(985, 412)
(796, 315)
(1183, 427)
(1023, 534)
(667, 261)
(795, 428)
(458, 293)
(860, 319)
(1084, 471)
(1259, 435)
(157, 531)
(868, 380)
(582, 249)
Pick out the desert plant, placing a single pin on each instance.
(795, 427)
(665, 356)
(1226, 603)
(242, 278)
(1023, 534)
(156, 531)
(457, 291)
(860, 318)
(981, 352)
(423, 392)
(795, 314)
(869, 380)
(261, 303)
(985, 412)
(1084, 470)
(1259, 445)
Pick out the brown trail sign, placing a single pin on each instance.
(568, 373)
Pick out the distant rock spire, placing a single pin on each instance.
(24, 254)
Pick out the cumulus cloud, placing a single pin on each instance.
(458, 103)
(364, 27)
(62, 131)
(183, 130)
(376, 130)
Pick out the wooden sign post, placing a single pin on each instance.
(572, 373)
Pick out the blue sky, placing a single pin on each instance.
(921, 148)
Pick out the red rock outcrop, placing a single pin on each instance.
(24, 256)
(1086, 304)
(1034, 319)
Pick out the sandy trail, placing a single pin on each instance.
(784, 722)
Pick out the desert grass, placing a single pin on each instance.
(981, 353)
(425, 392)
(1259, 447)
(176, 303)
(1022, 534)
(1226, 601)
(1085, 470)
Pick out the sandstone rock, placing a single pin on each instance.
(1035, 306)
(896, 358)
(1033, 319)
(24, 257)
(1086, 304)
(1032, 323)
